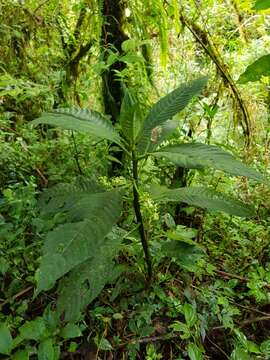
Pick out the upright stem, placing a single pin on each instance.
(137, 208)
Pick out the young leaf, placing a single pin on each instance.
(5, 340)
(130, 119)
(254, 72)
(82, 120)
(91, 218)
(198, 156)
(166, 108)
(161, 133)
(202, 197)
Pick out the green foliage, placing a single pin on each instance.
(81, 237)
(185, 254)
(211, 273)
(82, 120)
(205, 198)
(198, 156)
(165, 109)
(262, 5)
(5, 340)
(87, 280)
(255, 71)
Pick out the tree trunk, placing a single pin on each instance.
(112, 37)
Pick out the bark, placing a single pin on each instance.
(112, 37)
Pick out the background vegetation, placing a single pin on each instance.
(206, 295)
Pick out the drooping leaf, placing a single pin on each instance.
(202, 197)
(262, 5)
(5, 340)
(86, 281)
(82, 120)
(166, 108)
(254, 72)
(91, 217)
(198, 156)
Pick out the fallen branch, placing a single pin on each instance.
(234, 276)
(254, 320)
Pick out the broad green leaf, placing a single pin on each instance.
(182, 233)
(46, 350)
(5, 340)
(166, 108)
(194, 352)
(262, 5)
(82, 120)
(202, 197)
(70, 331)
(186, 255)
(85, 282)
(198, 156)
(33, 330)
(254, 72)
(91, 217)
(54, 198)
(189, 314)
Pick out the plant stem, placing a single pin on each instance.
(137, 208)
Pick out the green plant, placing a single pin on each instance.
(79, 250)
(41, 336)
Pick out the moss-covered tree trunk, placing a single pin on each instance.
(112, 38)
